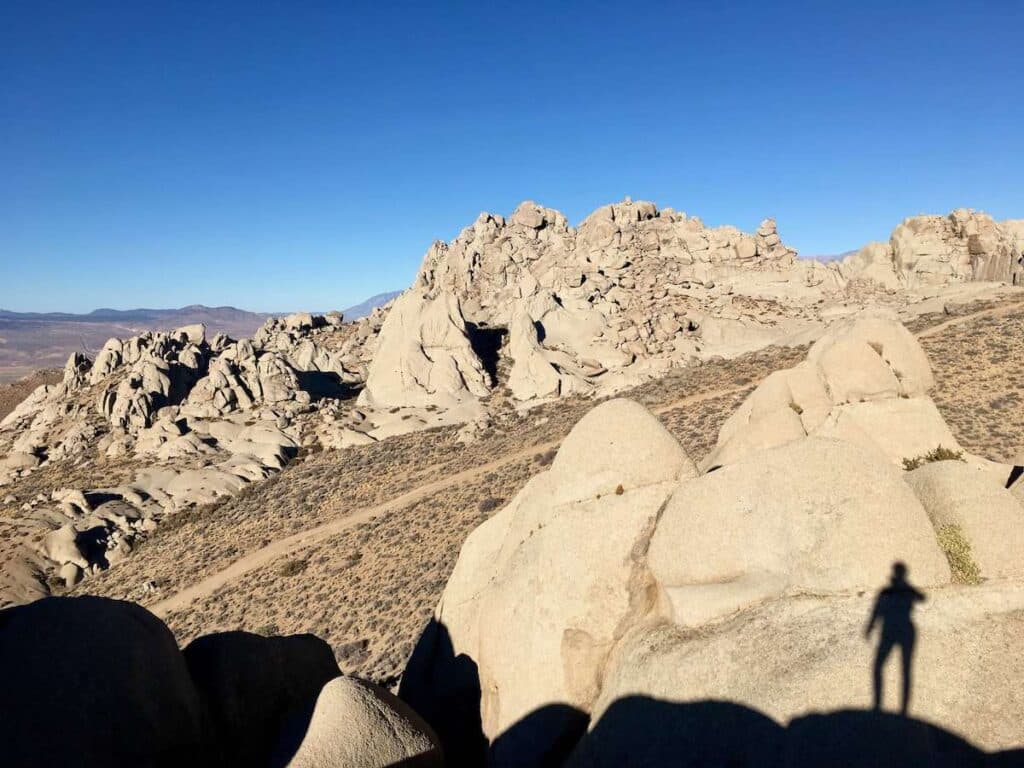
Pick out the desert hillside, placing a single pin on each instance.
(625, 444)
(377, 528)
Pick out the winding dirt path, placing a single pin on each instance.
(1004, 309)
(304, 539)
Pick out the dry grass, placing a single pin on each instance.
(369, 589)
(979, 382)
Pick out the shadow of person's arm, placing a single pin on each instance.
(872, 619)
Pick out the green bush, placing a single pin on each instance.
(958, 552)
(939, 454)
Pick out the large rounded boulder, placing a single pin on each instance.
(543, 588)
(968, 505)
(88, 681)
(815, 516)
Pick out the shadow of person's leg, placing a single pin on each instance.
(884, 649)
(907, 653)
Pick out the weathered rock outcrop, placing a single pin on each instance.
(634, 290)
(931, 251)
(621, 574)
(204, 418)
(865, 381)
(424, 357)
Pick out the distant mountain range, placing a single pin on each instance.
(158, 318)
(364, 308)
(33, 340)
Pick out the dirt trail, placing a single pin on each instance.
(304, 539)
(299, 541)
(1004, 309)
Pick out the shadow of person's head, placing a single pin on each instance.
(899, 572)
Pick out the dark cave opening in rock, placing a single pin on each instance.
(487, 342)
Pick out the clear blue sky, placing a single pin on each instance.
(294, 155)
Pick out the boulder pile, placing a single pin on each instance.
(624, 580)
(123, 694)
(634, 290)
(930, 251)
(515, 311)
(199, 419)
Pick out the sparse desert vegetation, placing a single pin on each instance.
(370, 588)
(979, 380)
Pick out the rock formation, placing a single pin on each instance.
(865, 380)
(202, 418)
(622, 573)
(635, 290)
(515, 311)
(96, 682)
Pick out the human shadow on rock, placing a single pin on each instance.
(892, 610)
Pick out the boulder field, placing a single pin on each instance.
(515, 311)
(820, 593)
(628, 609)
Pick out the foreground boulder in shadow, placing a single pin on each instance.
(444, 688)
(544, 738)
(358, 725)
(250, 685)
(868, 739)
(641, 731)
(88, 681)
(644, 732)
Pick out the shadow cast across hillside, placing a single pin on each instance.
(445, 688)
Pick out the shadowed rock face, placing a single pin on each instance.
(650, 733)
(94, 682)
(250, 685)
(97, 682)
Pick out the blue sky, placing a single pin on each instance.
(293, 155)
